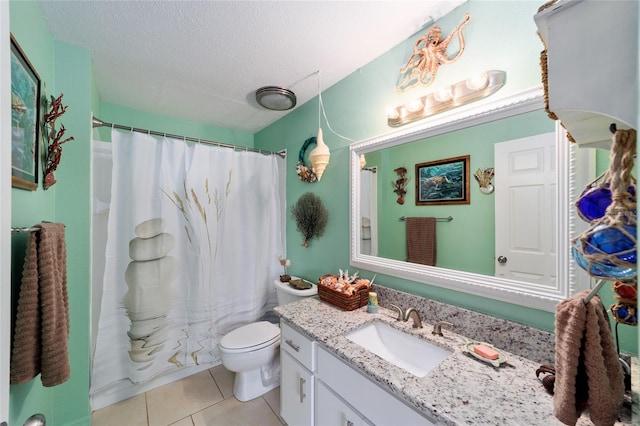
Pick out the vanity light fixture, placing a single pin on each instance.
(444, 98)
(275, 98)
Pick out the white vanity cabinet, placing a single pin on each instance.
(333, 410)
(297, 386)
(359, 400)
(317, 388)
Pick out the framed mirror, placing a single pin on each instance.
(512, 244)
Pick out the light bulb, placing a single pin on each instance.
(414, 105)
(443, 94)
(478, 81)
(392, 112)
(363, 161)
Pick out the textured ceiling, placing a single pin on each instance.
(203, 60)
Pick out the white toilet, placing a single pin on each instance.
(252, 350)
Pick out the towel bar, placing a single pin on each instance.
(27, 229)
(24, 230)
(438, 219)
(594, 291)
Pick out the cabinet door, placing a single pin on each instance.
(296, 392)
(332, 410)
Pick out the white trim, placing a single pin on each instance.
(5, 211)
(505, 290)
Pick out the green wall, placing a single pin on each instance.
(64, 69)
(502, 36)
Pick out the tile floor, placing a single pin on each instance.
(204, 399)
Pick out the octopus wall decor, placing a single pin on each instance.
(429, 53)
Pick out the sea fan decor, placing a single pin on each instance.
(311, 217)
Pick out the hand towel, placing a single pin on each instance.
(588, 373)
(421, 240)
(40, 343)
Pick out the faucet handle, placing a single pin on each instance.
(437, 327)
(397, 308)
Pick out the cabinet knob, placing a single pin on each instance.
(293, 345)
(502, 260)
(349, 423)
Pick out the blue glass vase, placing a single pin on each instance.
(600, 269)
(593, 202)
(604, 239)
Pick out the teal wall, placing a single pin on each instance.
(502, 36)
(64, 69)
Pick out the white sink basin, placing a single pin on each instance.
(403, 350)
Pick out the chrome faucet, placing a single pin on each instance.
(399, 310)
(437, 327)
(409, 313)
(412, 313)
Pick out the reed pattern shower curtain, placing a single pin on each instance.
(194, 233)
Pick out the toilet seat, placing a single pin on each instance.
(250, 337)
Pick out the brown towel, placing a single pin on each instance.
(41, 336)
(421, 240)
(588, 373)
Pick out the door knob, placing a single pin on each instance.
(36, 420)
(502, 260)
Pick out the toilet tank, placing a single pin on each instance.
(288, 294)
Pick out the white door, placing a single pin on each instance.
(525, 193)
(5, 211)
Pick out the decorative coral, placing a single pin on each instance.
(311, 217)
(54, 139)
(400, 184)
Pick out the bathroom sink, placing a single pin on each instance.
(403, 350)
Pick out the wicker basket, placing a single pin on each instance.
(341, 300)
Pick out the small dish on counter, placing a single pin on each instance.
(468, 348)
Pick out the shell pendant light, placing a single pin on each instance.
(320, 155)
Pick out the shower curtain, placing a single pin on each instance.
(194, 233)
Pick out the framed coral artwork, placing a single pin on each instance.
(25, 120)
(443, 181)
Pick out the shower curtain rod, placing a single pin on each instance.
(96, 122)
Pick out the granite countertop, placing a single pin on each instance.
(461, 390)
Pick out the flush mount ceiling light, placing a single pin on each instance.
(275, 98)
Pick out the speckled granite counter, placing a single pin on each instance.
(461, 390)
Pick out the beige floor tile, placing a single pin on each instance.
(170, 403)
(184, 422)
(231, 412)
(224, 379)
(273, 399)
(132, 412)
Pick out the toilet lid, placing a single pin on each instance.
(251, 335)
